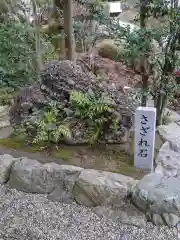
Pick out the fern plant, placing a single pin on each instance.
(90, 106)
(97, 111)
(50, 128)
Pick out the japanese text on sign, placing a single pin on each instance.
(143, 143)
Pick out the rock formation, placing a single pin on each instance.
(58, 80)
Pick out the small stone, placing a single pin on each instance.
(157, 219)
(171, 219)
(68, 112)
(71, 82)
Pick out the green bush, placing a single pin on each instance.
(17, 53)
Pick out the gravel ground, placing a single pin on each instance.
(33, 217)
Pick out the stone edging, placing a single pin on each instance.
(156, 196)
(64, 183)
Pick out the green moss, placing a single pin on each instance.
(125, 163)
(19, 145)
(103, 159)
(64, 153)
(131, 171)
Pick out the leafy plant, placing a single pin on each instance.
(50, 129)
(17, 53)
(97, 111)
(156, 50)
(20, 133)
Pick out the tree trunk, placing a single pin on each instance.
(58, 6)
(68, 29)
(39, 62)
(145, 77)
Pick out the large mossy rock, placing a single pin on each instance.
(58, 80)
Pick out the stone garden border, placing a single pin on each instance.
(156, 196)
(64, 183)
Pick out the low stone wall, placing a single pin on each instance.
(65, 183)
(156, 196)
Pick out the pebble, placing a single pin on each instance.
(34, 217)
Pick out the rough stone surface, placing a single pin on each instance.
(4, 124)
(158, 142)
(31, 176)
(4, 118)
(126, 213)
(171, 116)
(6, 162)
(63, 193)
(170, 133)
(5, 127)
(3, 111)
(94, 188)
(58, 80)
(159, 198)
(168, 161)
(33, 217)
(6, 132)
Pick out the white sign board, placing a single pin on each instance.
(115, 7)
(145, 127)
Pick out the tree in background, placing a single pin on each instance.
(156, 49)
(68, 29)
(37, 38)
(23, 47)
(166, 62)
(145, 50)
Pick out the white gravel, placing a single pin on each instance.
(33, 217)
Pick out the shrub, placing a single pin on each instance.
(17, 53)
(108, 49)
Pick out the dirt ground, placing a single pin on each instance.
(107, 158)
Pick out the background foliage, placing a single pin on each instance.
(17, 53)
